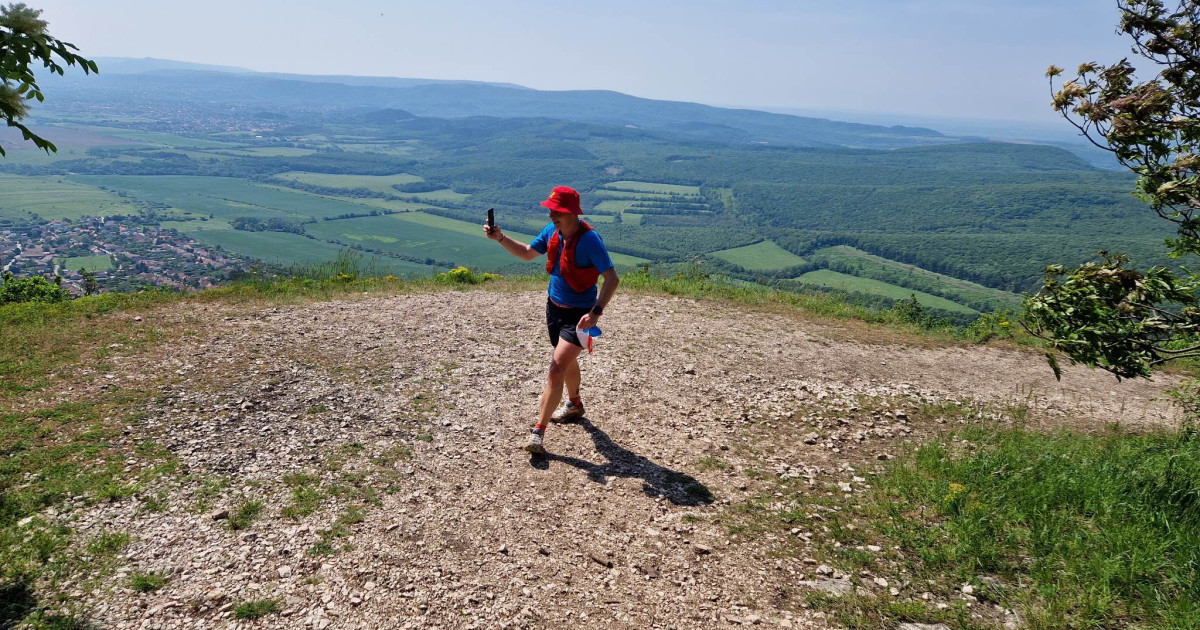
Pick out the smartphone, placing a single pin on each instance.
(491, 222)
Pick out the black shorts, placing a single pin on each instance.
(561, 321)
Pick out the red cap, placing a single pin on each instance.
(563, 199)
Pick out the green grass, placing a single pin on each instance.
(146, 582)
(244, 514)
(845, 282)
(108, 543)
(375, 183)
(1103, 531)
(54, 198)
(255, 609)
(49, 451)
(91, 263)
(761, 256)
(305, 500)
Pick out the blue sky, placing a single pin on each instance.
(980, 59)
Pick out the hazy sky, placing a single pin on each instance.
(960, 58)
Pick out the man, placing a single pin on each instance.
(575, 259)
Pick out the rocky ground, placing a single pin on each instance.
(381, 438)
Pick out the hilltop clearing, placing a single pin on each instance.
(356, 461)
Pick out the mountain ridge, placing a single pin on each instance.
(443, 98)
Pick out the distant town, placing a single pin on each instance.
(124, 253)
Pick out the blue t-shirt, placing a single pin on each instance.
(589, 252)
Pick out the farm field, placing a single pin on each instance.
(623, 195)
(382, 149)
(283, 248)
(444, 194)
(868, 263)
(471, 229)
(373, 203)
(272, 152)
(614, 205)
(27, 155)
(627, 197)
(761, 256)
(155, 138)
(398, 234)
(375, 183)
(55, 198)
(196, 225)
(652, 187)
(845, 282)
(92, 263)
(224, 197)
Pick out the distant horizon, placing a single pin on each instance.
(1054, 129)
(975, 59)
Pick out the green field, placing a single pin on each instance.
(54, 198)
(272, 152)
(374, 203)
(652, 187)
(623, 195)
(444, 194)
(196, 225)
(284, 248)
(633, 193)
(225, 197)
(382, 149)
(616, 206)
(869, 265)
(151, 137)
(844, 282)
(375, 183)
(28, 155)
(471, 229)
(462, 227)
(91, 263)
(400, 235)
(761, 256)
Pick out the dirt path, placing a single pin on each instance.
(406, 414)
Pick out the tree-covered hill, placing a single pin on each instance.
(405, 172)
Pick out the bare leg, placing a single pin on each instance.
(572, 378)
(565, 355)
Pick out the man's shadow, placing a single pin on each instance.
(657, 481)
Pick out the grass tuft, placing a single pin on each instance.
(146, 582)
(244, 514)
(255, 609)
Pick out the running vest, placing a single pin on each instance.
(580, 279)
